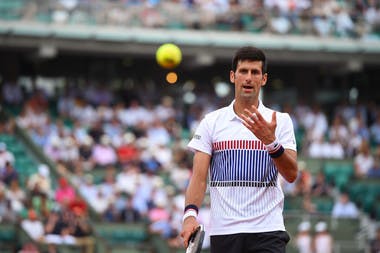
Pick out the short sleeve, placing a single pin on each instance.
(286, 134)
(201, 139)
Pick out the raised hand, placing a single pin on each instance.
(255, 122)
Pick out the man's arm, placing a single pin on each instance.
(287, 165)
(195, 191)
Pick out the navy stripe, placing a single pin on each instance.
(242, 165)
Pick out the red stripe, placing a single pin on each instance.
(238, 144)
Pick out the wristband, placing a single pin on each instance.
(191, 207)
(278, 152)
(189, 213)
(273, 146)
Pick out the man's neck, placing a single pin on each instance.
(240, 105)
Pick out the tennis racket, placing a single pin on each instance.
(196, 240)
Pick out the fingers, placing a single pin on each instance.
(186, 234)
(257, 113)
(251, 118)
(186, 237)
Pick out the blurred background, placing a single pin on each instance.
(93, 135)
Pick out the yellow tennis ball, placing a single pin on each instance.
(168, 56)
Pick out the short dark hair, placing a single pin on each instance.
(249, 53)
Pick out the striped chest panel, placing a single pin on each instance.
(243, 163)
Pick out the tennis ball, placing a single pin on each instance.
(168, 56)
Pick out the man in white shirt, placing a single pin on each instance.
(344, 207)
(33, 226)
(242, 149)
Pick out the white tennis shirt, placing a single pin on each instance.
(246, 196)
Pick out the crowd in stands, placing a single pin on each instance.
(355, 19)
(139, 148)
(320, 241)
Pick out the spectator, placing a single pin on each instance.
(81, 229)
(108, 184)
(127, 180)
(374, 171)
(6, 212)
(344, 207)
(12, 93)
(363, 161)
(375, 131)
(85, 154)
(100, 202)
(7, 124)
(308, 205)
(157, 134)
(5, 155)
(165, 110)
(159, 218)
(39, 136)
(65, 193)
(16, 195)
(103, 153)
(129, 213)
(320, 186)
(339, 131)
(323, 240)
(8, 173)
(57, 230)
(33, 226)
(375, 243)
(315, 123)
(304, 179)
(88, 188)
(334, 149)
(40, 183)
(344, 25)
(128, 152)
(53, 148)
(304, 239)
(78, 206)
(317, 148)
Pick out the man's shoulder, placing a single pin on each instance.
(216, 113)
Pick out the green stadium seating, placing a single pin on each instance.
(344, 229)
(323, 205)
(8, 237)
(365, 193)
(11, 9)
(7, 138)
(116, 234)
(293, 203)
(338, 172)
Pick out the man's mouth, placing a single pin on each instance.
(247, 87)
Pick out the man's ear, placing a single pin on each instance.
(264, 79)
(232, 76)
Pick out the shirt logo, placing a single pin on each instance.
(197, 136)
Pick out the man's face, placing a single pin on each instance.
(248, 78)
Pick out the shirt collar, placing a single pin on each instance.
(232, 115)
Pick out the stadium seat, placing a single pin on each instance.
(7, 138)
(338, 173)
(324, 205)
(11, 9)
(7, 237)
(365, 193)
(344, 229)
(116, 234)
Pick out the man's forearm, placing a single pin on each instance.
(195, 192)
(287, 165)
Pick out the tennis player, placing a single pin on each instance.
(242, 149)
